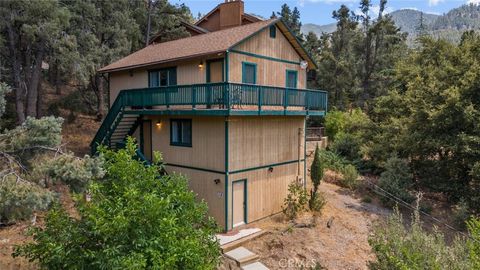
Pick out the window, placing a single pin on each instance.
(291, 79)
(273, 31)
(162, 77)
(181, 132)
(249, 73)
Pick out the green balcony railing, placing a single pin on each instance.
(219, 96)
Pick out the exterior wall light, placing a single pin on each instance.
(159, 124)
(200, 65)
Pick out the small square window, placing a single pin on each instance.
(273, 31)
(181, 132)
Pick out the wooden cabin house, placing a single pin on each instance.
(226, 107)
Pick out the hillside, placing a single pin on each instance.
(449, 26)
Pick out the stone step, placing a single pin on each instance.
(242, 256)
(238, 242)
(255, 266)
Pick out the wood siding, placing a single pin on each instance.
(269, 72)
(259, 141)
(203, 184)
(265, 190)
(263, 44)
(208, 143)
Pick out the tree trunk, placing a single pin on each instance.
(101, 97)
(32, 94)
(149, 20)
(19, 87)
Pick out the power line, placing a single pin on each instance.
(378, 190)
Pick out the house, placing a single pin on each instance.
(226, 107)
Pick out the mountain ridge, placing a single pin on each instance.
(449, 26)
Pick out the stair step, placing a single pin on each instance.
(242, 256)
(255, 266)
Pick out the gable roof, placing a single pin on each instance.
(201, 45)
(205, 44)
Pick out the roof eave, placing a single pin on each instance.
(193, 56)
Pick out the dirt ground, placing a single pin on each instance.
(341, 245)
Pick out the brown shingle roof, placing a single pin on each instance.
(210, 43)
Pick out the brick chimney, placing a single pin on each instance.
(231, 13)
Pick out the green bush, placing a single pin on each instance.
(347, 146)
(332, 161)
(396, 179)
(316, 202)
(136, 219)
(334, 123)
(397, 247)
(19, 199)
(349, 177)
(316, 173)
(295, 201)
(73, 171)
(473, 242)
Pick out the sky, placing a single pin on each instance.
(320, 11)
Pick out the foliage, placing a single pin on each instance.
(295, 201)
(291, 19)
(136, 218)
(355, 61)
(398, 247)
(43, 132)
(430, 117)
(473, 242)
(316, 171)
(19, 199)
(347, 146)
(73, 171)
(332, 160)
(397, 180)
(4, 90)
(316, 202)
(349, 177)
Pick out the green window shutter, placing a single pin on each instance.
(273, 31)
(249, 73)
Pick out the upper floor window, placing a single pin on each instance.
(291, 81)
(162, 77)
(273, 31)
(249, 73)
(181, 132)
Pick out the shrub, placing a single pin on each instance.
(73, 171)
(136, 218)
(334, 123)
(295, 201)
(396, 179)
(316, 174)
(332, 161)
(19, 199)
(397, 247)
(347, 146)
(461, 214)
(316, 202)
(349, 177)
(473, 242)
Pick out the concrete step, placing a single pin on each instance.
(255, 266)
(238, 242)
(242, 256)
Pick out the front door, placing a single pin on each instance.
(215, 71)
(239, 203)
